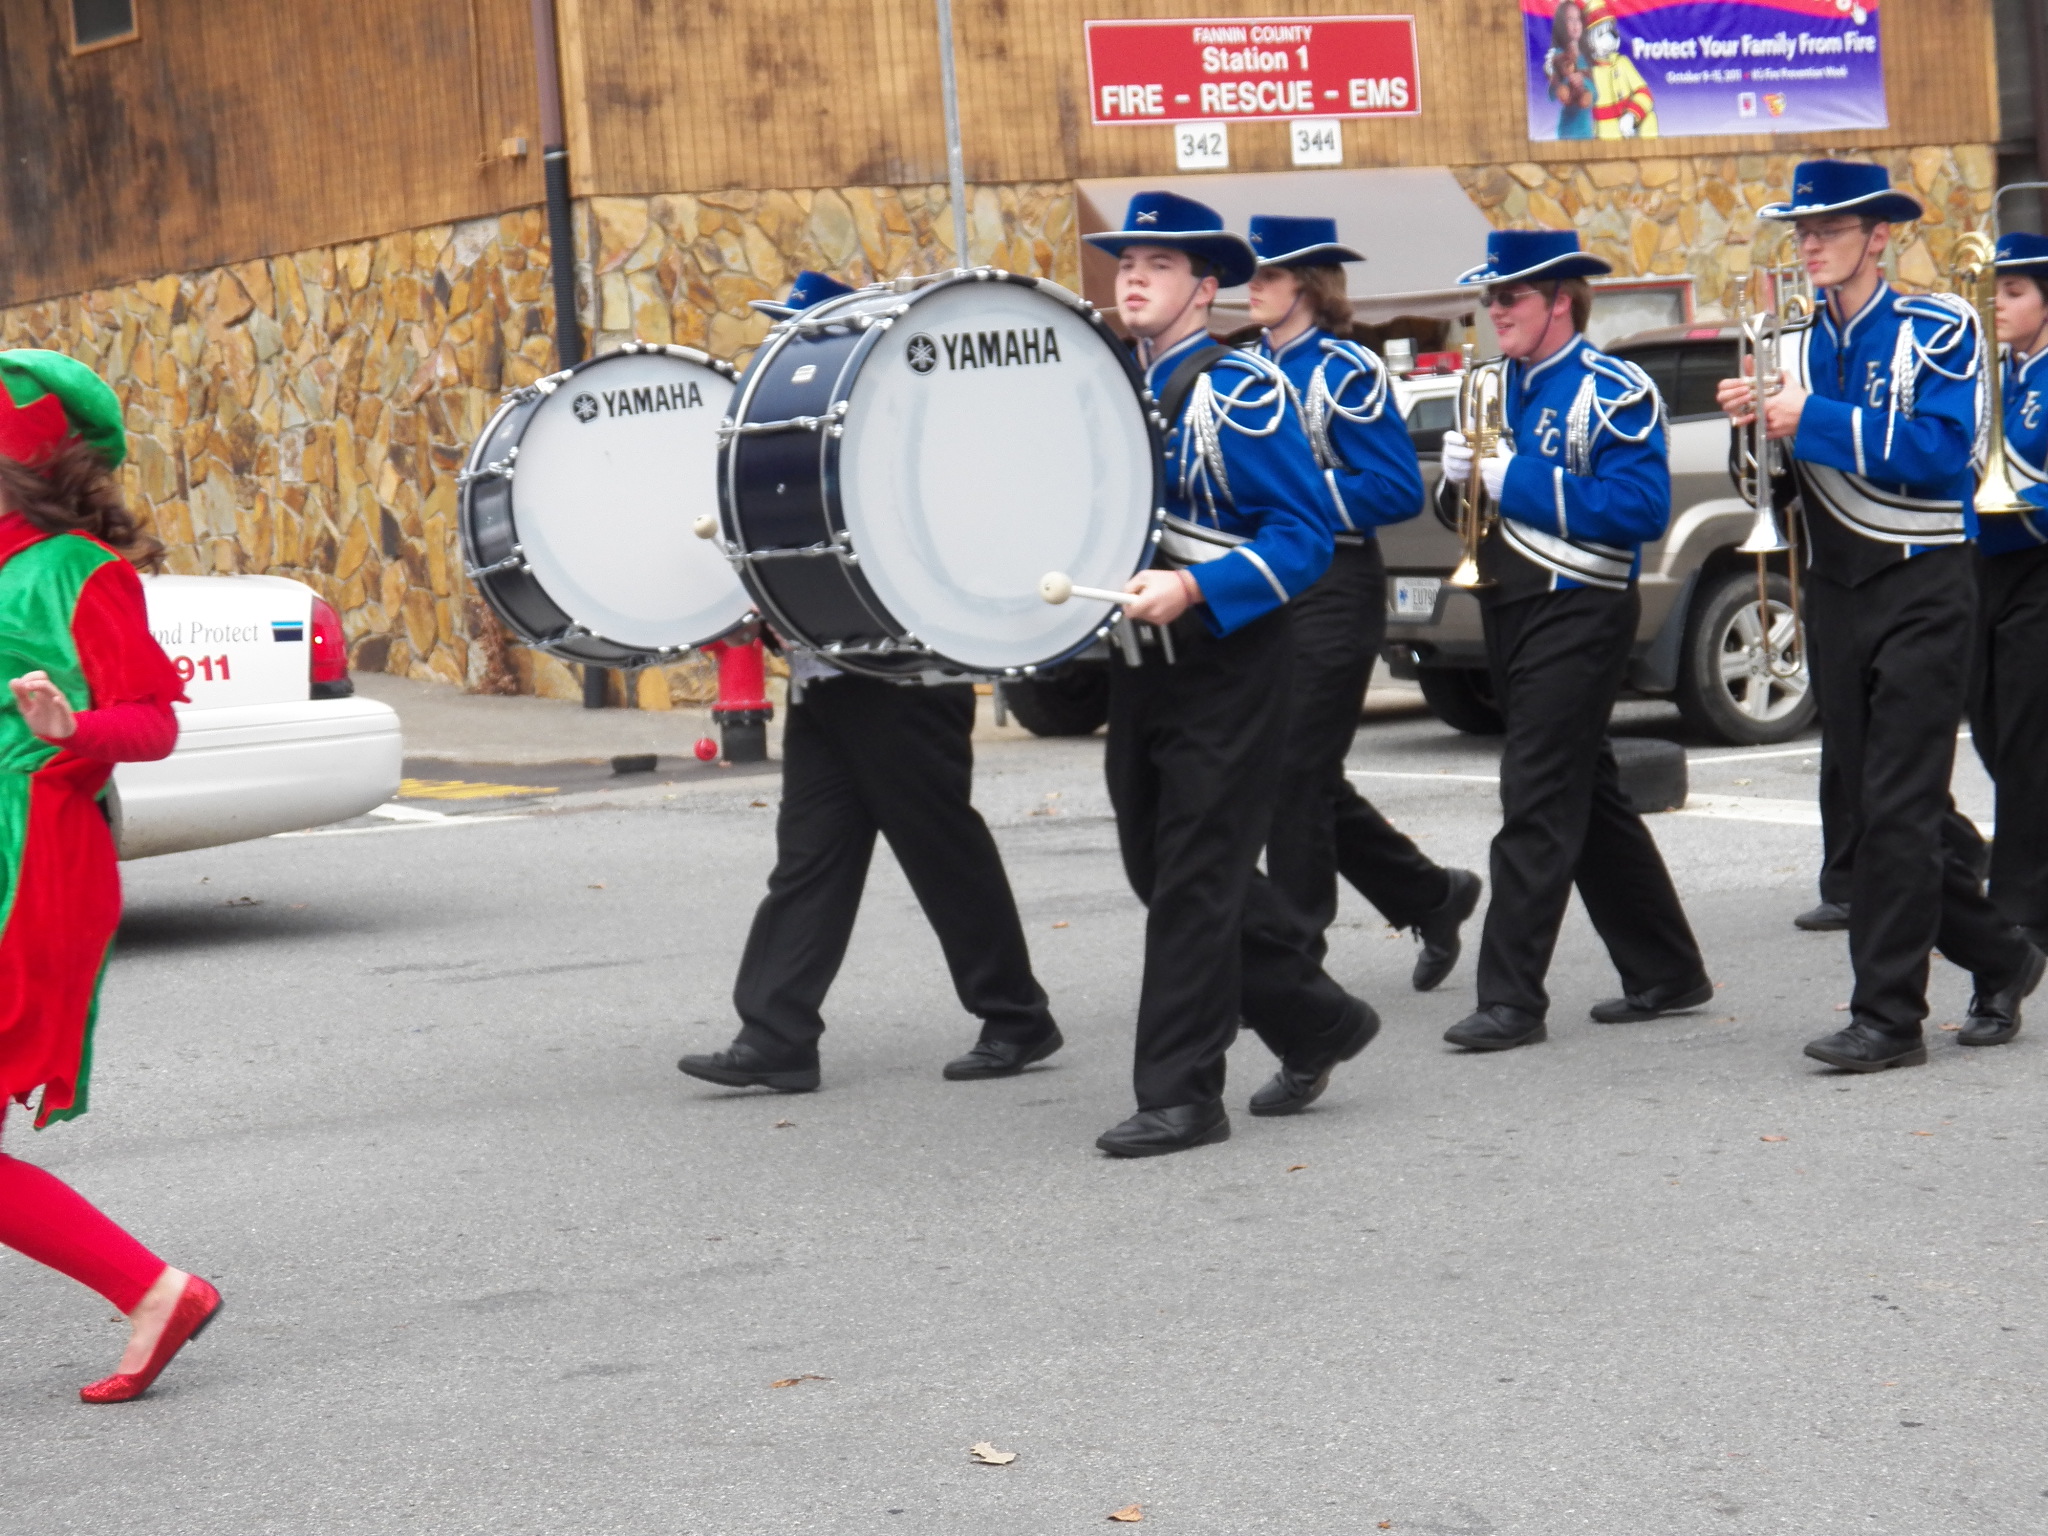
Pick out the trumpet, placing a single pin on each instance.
(1482, 416)
(1974, 275)
(1759, 334)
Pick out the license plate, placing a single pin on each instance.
(1413, 597)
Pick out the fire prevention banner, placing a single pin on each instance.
(1252, 68)
(1612, 69)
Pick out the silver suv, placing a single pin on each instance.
(1698, 642)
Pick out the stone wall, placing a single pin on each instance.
(1697, 214)
(306, 415)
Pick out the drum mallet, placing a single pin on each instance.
(1056, 587)
(706, 527)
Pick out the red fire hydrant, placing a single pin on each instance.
(742, 712)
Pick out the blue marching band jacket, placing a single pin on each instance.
(1888, 443)
(1356, 430)
(2026, 452)
(1590, 481)
(1243, 496)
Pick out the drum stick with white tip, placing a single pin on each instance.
(1057, 587)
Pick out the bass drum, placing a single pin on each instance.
(905, 465)
(579, 502)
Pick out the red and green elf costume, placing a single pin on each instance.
(73, 608)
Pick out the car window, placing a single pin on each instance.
(1701, 369)
(1661, 364)
(1432, 417)
(1685, 373)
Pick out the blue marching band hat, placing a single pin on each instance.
(1279, 241)
(808, 289)
(1547, 255)
(2022, 252)
(1182, 224)
(1844, 186)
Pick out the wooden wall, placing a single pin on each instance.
(238, 128)
(684, 95)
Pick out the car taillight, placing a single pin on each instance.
(329, 659)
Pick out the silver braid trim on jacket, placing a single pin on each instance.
(1324, 403)
(1955, 324)
(1204, 481)
(1590, 415)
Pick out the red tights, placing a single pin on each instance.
(45, 1218)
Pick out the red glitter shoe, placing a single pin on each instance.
(198, 1305)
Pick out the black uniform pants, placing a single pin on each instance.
(862, 756)
(1322, 827)
(2009, 723)
(1891, 659)
(1557, 661)
(1193, 763)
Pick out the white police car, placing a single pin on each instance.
(273, 740)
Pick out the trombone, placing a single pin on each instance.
(1482, 416)
(1759, 335)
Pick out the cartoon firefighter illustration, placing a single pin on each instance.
(1623, 107)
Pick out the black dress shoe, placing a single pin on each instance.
(740, 1065)
(1866, 1048)
(1439, 930)
(1828, 917)
(1154, 1132)
(1634, 1007)
(2038, 937)
(1003, 1058)
(1497, 1027)
(1994, 1017)
(1301, 1081)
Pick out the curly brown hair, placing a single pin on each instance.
(73, 491)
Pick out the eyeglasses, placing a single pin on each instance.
(1508, 298)
(1813, 235)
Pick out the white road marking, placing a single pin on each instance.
(391, 810)
(1790, 813)
(1447, 778)
(405, 818)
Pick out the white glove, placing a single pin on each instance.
(1457, 457)
(1493, 472)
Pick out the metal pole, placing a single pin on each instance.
(950, 91)
(554, 159)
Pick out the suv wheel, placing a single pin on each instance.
(1072, 702)
(1462, 697)
(1736, 683)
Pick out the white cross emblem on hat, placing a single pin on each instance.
(1148, 218)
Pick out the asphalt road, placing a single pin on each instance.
(406, 1091)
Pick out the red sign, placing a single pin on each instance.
(1252, 68)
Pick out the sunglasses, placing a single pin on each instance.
(1508, 298)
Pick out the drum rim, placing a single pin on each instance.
(528, 398)
(778, 340)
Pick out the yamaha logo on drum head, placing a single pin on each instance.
(585, 407)
(922, 353)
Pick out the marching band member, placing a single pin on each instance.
(2009, 682)
(1366, 461)
(1581, 483)
(1195, 728)
(862, 756)
(1882, 416)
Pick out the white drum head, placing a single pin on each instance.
(614, 468)
(993, 436)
